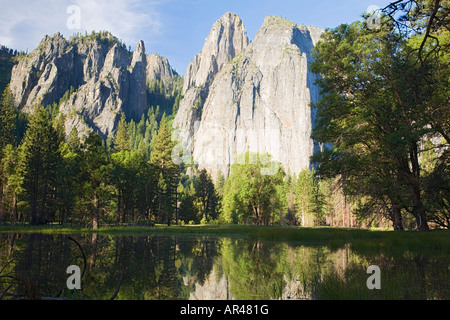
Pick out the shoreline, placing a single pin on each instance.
(330, 236)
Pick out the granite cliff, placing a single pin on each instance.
(226, 39)
(258, 101)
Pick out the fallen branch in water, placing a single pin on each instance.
(118, 287)
(83, 255)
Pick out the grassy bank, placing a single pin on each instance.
(358, 238)
(275, 233)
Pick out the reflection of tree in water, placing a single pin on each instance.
(147, 264)
(132, 267)
(196, 259)
(407, 275)
(35, 266)
(154, 267)
(254, 269)
(279, 271)
(203, 252)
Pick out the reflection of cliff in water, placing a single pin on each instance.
(257, 270)
(213, 288)
(33, 266)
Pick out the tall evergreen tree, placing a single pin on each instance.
(12, 180)
(122, 140)
(96, 169)
(167, 171)
(7, 119)
(73, 140)
(206, 193)
(40, 167)
(7, 130)
(70, 176)
(151, 125)
(128, 170)
(308, 198)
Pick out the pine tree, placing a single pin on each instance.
(187, 210)
(151, 127)
(7, 133)
(161, 160)
(308, 198)
(96, 169)
(69, 178)
(220, 182)
(7, 119)
(12, 179)
(122, 140)
(59, 125)
(40, 165)
(162, 146)
(128, 177)
(206, 193)
(73, 141)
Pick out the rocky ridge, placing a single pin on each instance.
(94, 79)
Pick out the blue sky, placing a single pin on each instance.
(172, 28)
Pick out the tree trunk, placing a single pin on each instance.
(411, 178)
(95, 209)
(125, 210)
(176, 206)
(303, 218)
(41, 217)
(419, 214)
(397, 221)
(119, 206)
(93, 255)
(1, 197)
(414, 189)
(15, 209)
(34, 202)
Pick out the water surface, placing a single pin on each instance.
(189, 267)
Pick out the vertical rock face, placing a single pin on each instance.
(260, 101)
(97, 76)
(44, 73)
(227, 38)
(138, 75)
(158, 68)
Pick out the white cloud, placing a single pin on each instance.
(23, 23)
(124, 19)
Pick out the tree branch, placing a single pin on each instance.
(428, 30)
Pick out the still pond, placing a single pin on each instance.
(210, 267)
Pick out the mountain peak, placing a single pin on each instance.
(140, 47)
(229, 16)
(278, 22)
(139, 54)
(226, 39)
